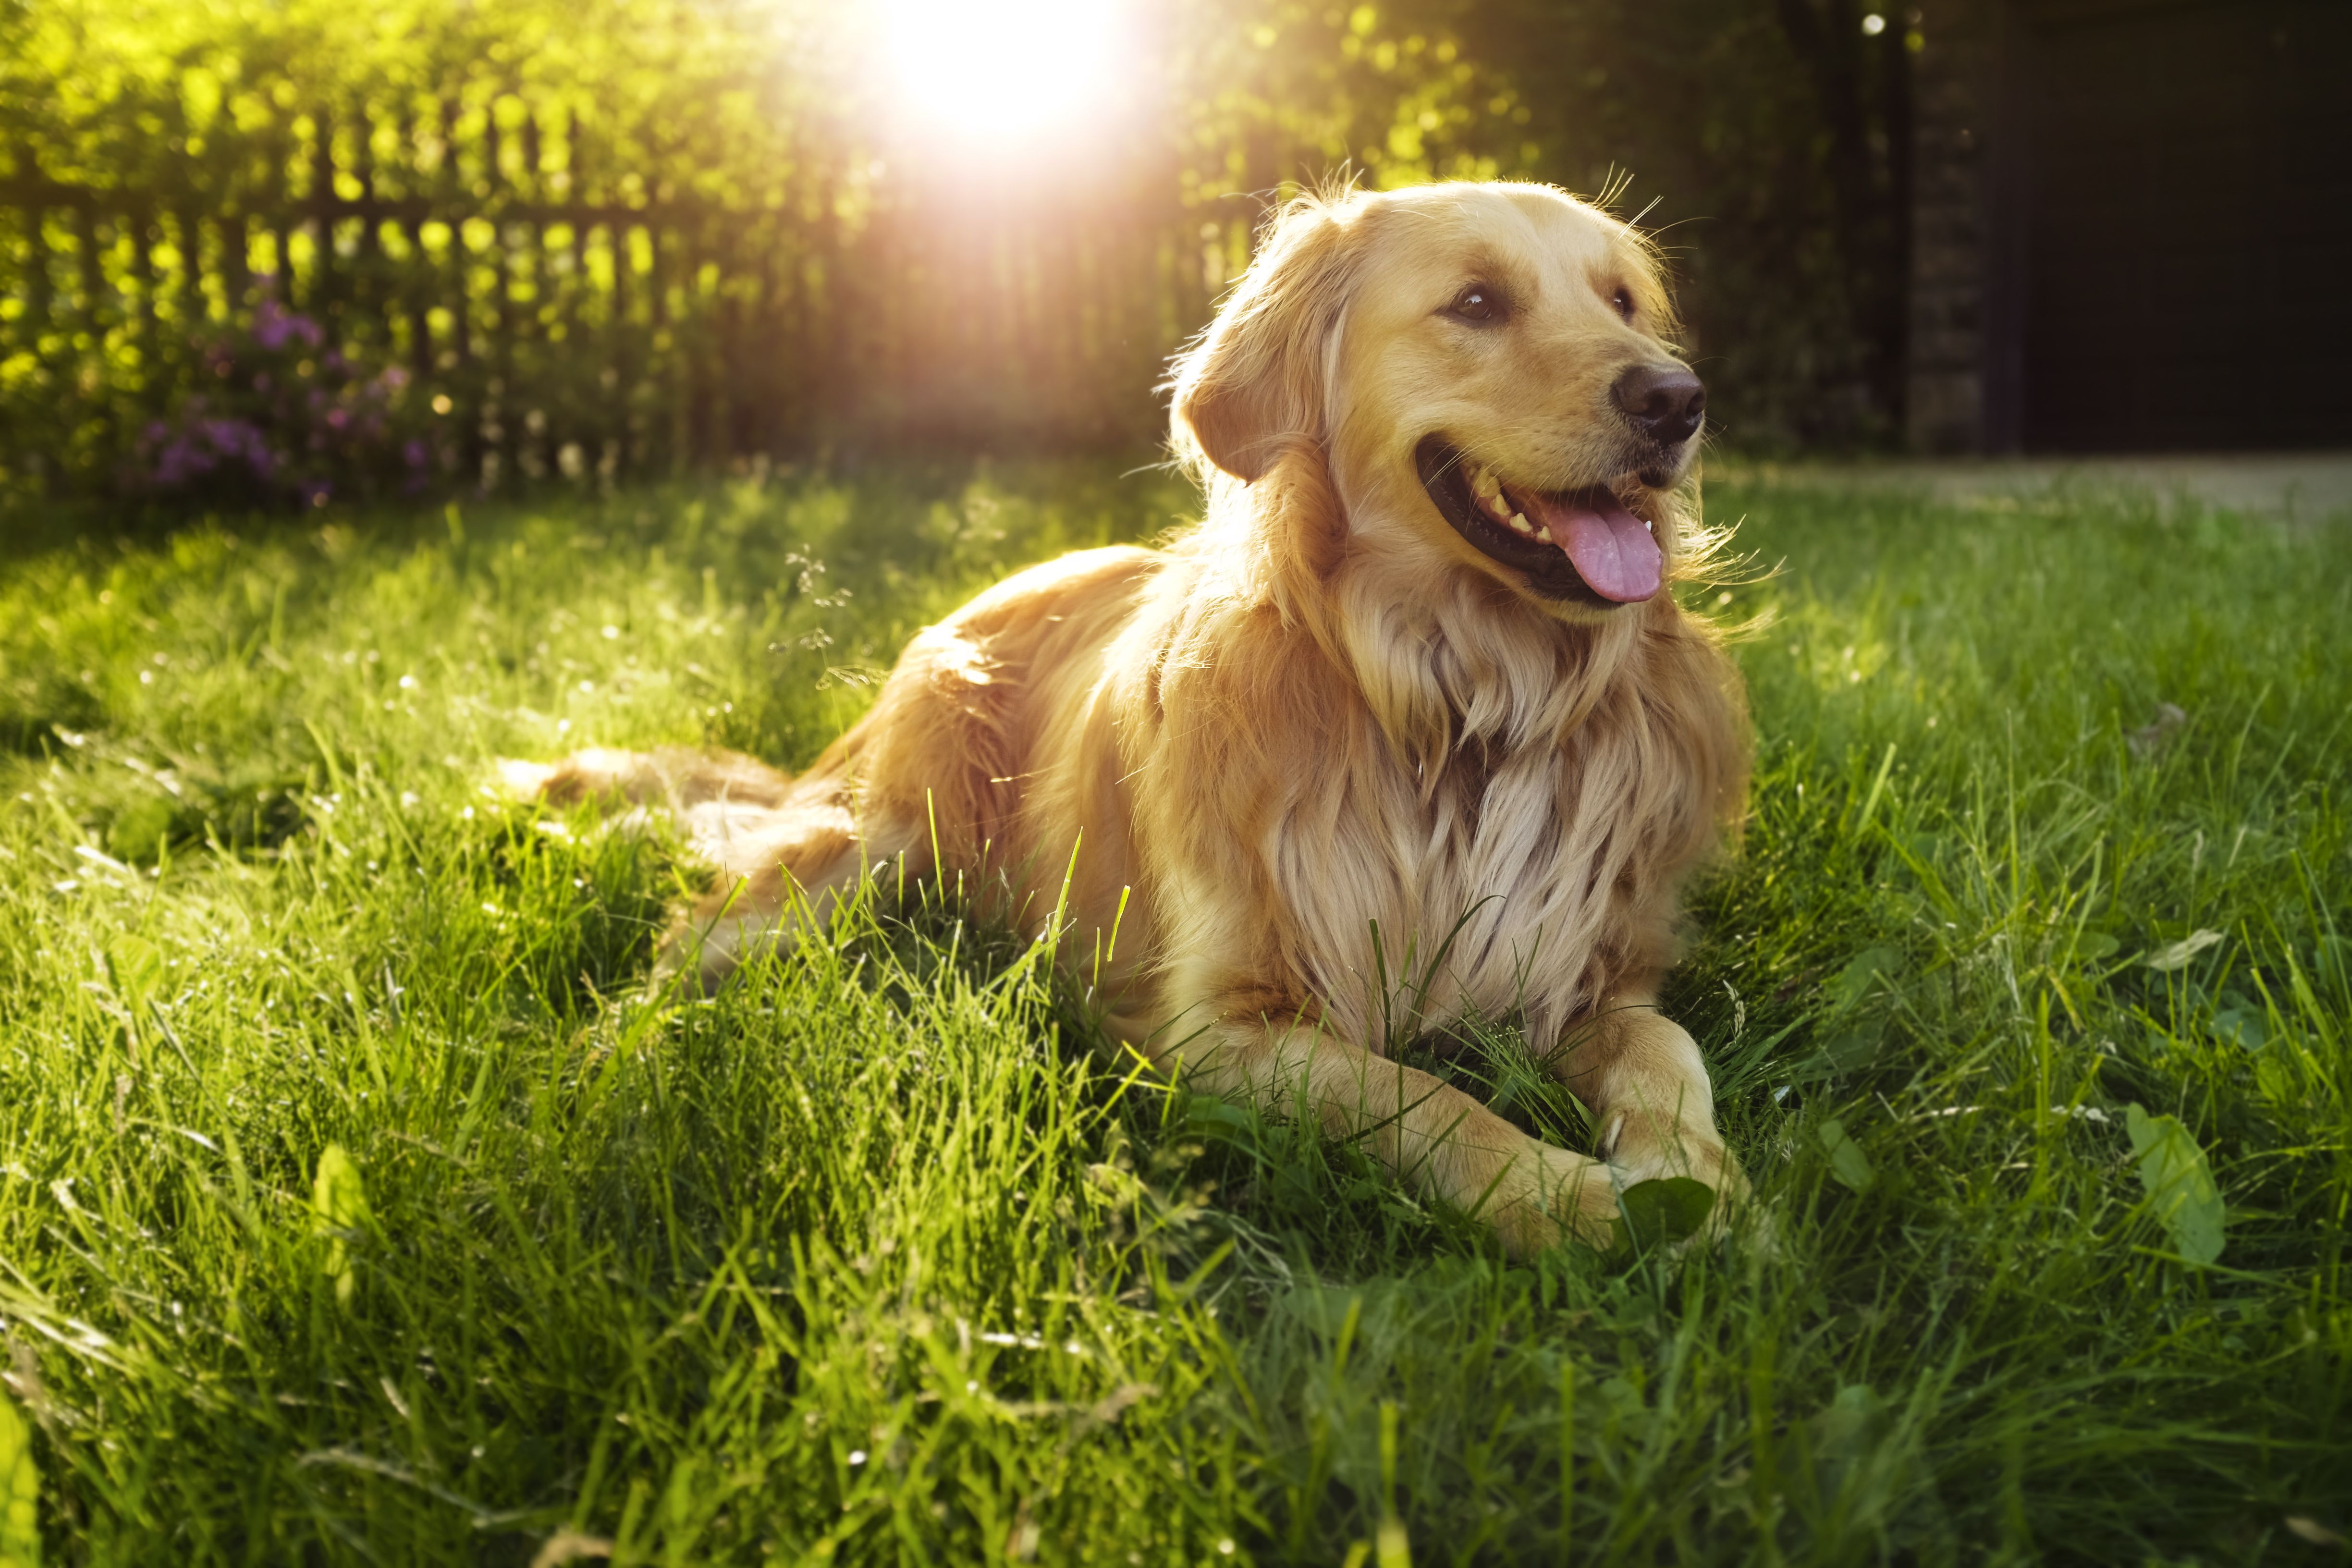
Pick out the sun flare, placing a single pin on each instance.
(1004, 69)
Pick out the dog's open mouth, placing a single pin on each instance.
(1571, 544)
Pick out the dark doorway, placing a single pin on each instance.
(2188, 252)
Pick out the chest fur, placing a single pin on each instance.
(1447, 815)
(1500, 888)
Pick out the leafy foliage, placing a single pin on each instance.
(1659, 1213)
(2180, 1191)
(625, 236)
(338, 1208)
(289, 415)
(20, 1492)
(1848, 1163)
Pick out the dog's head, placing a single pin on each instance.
(1485, 371)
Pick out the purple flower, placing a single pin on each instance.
(274, 326)
(258, 419)
(202, 445)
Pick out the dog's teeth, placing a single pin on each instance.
(1520, 524)
(1648, 524)
(1485, 486)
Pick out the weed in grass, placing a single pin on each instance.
(360, 1200)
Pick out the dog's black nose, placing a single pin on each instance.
(1663, 401)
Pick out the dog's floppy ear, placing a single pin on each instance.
(1251, 387)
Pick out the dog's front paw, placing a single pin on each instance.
(1669, 1175)
(1551, 1197)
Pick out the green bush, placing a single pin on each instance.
(622, 237)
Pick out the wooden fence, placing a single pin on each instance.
(562, 316)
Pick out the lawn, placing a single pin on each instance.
(360, 1202)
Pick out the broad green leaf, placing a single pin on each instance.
(1848, 1050)
(1850, 1420)
(1854, 982)
(1845, 1432)
(139, 834)
(2181, 1190)
(20, 1492)
(1666, 1210)
(2096, 945)
(2240, 1026)
(339, 1206)
(1847, 1161)
(2177, 954)
(137, 967)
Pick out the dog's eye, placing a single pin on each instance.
(1623, 301)
(1476, 303)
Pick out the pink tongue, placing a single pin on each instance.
(1613, 550)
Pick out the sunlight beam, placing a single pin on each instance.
(1005, 70)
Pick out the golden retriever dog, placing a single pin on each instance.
(1412, 697)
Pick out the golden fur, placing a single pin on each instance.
(1323, 720)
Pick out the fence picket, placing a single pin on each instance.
(932, 314)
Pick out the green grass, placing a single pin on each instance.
(877, 1256)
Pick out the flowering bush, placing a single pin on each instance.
(284, 416)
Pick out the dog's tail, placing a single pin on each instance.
(680, 777)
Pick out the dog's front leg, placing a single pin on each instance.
(1437, 1137)
(1641, 1075)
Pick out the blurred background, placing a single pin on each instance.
(296, 251)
